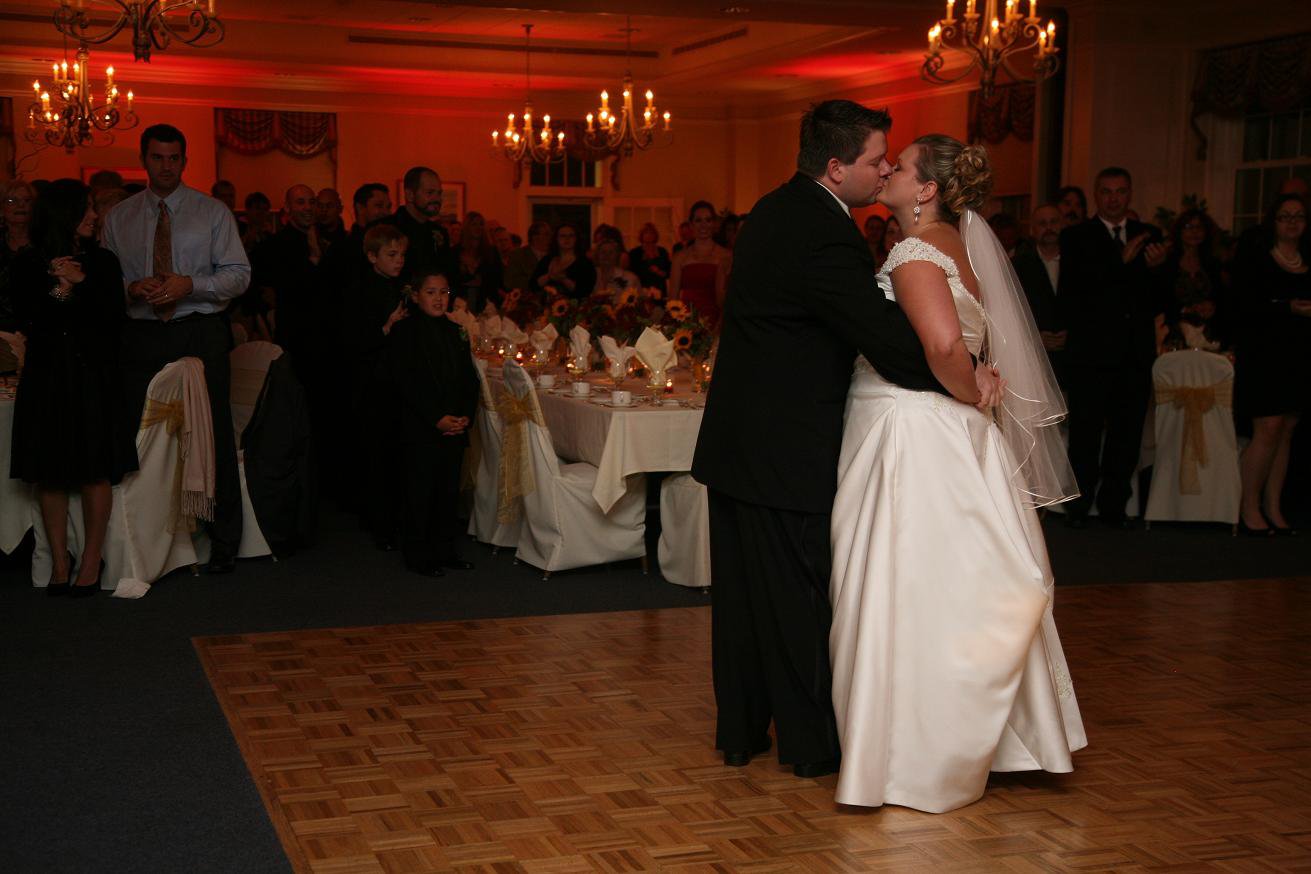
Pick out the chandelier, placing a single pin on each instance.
(525, 146)
(73, 119)
(149, 22)
(992, 42)
(621, 133)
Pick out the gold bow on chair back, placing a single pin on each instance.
(1195, 401)
(516, 470)
(172, 415)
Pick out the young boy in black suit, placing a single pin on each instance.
(428, 367)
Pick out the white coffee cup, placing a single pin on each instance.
(582, 389)
(621, 398)
(546, 380)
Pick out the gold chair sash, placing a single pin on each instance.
(172, 415)
(1195, 402)
(516, 470)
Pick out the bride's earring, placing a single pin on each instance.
(917, 213)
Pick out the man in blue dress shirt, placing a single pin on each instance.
(182, 262)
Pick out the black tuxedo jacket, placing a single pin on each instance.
(1037, 284)
(802, 302)
(1111, 306)
(428, 365)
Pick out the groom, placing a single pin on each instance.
(802, 303)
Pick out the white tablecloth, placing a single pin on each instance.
(16, 503)
(619, 442)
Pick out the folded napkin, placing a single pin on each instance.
(544, 339)
(465, 320)
(492, 328)
(616, 356)
(580, 342)
(655, 351)
(511, 332)
(490, 310)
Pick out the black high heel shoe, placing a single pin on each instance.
(1280, 530)
(1254, 532)
(90, 589)
(55, 590)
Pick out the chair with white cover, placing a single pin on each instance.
(485, 457)
(249, 364)
(145, 540)
(684, 549)
(1196, 476)
(563, 527)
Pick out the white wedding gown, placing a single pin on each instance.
(946, 662)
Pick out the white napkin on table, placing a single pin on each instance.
(544, 339)
(655, 351)
(465, 320)
(511, 332)
(490, 310)
(614, 353)
(492, 328)
(580, 342)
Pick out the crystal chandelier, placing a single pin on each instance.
(73, 119)
(621, 134)
(992, 42)
(525, 146)
(148, 20)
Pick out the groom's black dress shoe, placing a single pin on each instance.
(742, 758)
(811, 770)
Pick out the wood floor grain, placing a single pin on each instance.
(583, 743)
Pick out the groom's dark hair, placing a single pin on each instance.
(837, 129)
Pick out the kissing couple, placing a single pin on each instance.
(876, 447)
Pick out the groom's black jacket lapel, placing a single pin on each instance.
(802, 303)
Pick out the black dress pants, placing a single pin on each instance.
(148, 345)
(432, 494)
(770, 625)
(1108, 406)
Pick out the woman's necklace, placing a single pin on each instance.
(1289, 263)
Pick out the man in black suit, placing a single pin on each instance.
(1112, 299)
(1039, 269)
(802, 302)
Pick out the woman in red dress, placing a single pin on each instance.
(699, 275)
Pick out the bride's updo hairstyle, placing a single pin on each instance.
(963, 174)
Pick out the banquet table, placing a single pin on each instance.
(619, 441)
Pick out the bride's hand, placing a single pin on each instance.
(991, 386)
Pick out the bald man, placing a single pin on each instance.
(332, 230)
(1039, 269)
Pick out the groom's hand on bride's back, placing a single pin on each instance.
(991, 386)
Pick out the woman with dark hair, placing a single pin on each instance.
(480, 273)
(1073, 204)
(71, 426)
(16, 197)
(1273, 369)
(729, 225)
(892, 235)
(650, 260)
(1193, 275)
(699, 276)
(566, 271)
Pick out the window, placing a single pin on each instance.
(631, 215)
(1276, 146)
(570, 173)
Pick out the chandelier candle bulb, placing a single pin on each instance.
(667, 119)
(1033, 10)
(951, 6)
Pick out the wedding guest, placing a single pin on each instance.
(72, 428)
(566, 271)
(729, 225)
(1194, 279)
(1039, 270)
(892, 235)
(874, 225)
(369, 312)
(345, 263)
(685, 237)
(328, 210)
(522, 263)
(650, 261)
(503, 242)
(15, 217)
(419, 218)
(182, 263)
(103, 201)
(428, 367)
(699, 273)
(225, 193)
(610, 277)
(1111, 287)
(479, 278)
(1273, 368)
(1008, 233)
(258, 223)
(1073, 205)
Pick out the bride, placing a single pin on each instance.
(946, 662)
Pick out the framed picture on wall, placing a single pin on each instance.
(453, 199)
(129, 174)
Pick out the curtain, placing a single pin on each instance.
(256, 131)
(1008, 112)
(1269, 76)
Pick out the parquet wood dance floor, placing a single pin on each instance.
(584, 743)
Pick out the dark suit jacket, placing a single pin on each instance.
(278, 452)
(1110, 306)
(802, 302)
(1044, 304)
(429, 367)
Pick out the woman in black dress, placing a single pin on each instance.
(71, 427)
(480, 272)
(650, 261)
(566, 270)
(1273, 358)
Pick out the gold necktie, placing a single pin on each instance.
(163, 260)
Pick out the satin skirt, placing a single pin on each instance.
(946, 661)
